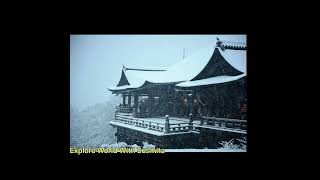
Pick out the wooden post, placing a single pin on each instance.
(129, 99)
(201, 120)
(191, 101)
(123, 99)
(190, 121)
(150, 104)
(135, 101)
(167, 125)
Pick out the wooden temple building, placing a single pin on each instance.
(201, 95)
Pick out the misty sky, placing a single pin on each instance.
(96, 60)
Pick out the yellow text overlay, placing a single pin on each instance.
(114, 150)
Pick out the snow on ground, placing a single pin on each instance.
(150, 146)
(227, 146)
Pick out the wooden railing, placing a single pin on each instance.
(124, 109)
(157, 126)
(232, 123)
(182, 126)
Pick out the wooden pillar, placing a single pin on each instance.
(123, 99)
(129, 99)
(150, 104)
(190, 101)
(167, 125)
(135, 101)
(190, 121)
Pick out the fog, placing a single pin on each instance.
(96, 60)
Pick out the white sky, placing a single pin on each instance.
(96, 60)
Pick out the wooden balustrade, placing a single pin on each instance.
(158, 126)
(233, 123)
(179, 127)
(167, 127)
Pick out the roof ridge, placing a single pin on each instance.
(140, 69)
(236, 42)
(234, 45)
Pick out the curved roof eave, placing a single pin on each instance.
(210, 81)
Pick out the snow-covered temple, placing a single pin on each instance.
(209, 85)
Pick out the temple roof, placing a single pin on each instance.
(187, 69)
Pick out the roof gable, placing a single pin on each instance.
(217, 66)
(123, 80)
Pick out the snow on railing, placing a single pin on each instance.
(179, 127)
(235, 123)
(157, 126)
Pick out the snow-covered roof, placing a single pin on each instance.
(236, 58)
(183, 70)
(208, 81)
(187, 69)
(136, 79)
